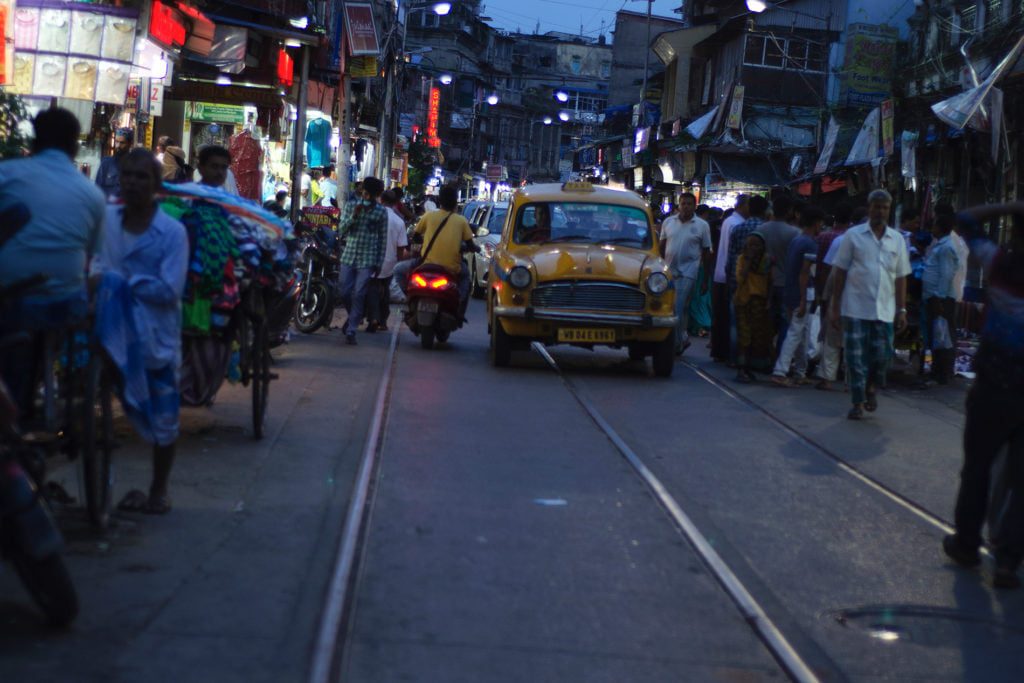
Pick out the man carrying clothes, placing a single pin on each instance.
(365, 225)
(685, 244)
(870, 289)
(108, 177)
(995, 404)
(799, 283)
(140, 276)
(937, 293)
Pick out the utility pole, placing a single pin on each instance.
(647, 62)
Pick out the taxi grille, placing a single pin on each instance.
(599, 296)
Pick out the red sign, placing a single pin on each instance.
(493, 173)
(285, 68)
(433, 114)
(362, 31)
(166, 25)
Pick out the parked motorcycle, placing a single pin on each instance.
(320, 270)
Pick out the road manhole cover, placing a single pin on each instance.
(923, 625)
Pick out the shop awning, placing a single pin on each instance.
(751, 170)
(272, 31)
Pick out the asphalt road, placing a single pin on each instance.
(507, 538)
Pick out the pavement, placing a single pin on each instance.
(507, 538)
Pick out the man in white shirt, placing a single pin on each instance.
(685, 243)
(429, 205)
(870, 289)
(378, 306)
(720, 328)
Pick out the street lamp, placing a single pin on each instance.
(492, 99)
(547, 120)
(561, 96)
(563, 116)
(446, 79)
(441, 8)
(757, 6)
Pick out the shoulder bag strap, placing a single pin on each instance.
(426, 252)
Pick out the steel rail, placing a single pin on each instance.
(780, 648)
(338, 600)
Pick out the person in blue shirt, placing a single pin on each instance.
(139, 276)
(939, 296)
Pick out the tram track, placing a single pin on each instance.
(780, 648)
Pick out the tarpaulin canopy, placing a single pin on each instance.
(752, 170)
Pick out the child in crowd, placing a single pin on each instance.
(753, 313)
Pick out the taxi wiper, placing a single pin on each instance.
(566, 238)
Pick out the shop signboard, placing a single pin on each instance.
(217, 113)
(735, 119)
(361, 29)
(888, 143)
(494, 172)
(869, 62)
(433, 114)
(320, 216)
(363, 67)
(198, 92)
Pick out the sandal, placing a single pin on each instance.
(781, 381)
(871, 402)
(137, 501)
(855, 413)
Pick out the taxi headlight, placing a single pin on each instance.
(519, 277)
(657, 283)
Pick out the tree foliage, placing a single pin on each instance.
(13, 143)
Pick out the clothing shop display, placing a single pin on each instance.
(118, 38)
(112, 83)
(26, 28)
(49, 75)
(246, 158)
(86, 33)
(81, 79)
(54, 30)
(318, 143)
(24, 68)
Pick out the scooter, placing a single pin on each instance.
(320, 271)
(434, 309)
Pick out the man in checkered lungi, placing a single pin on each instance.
(869, 295)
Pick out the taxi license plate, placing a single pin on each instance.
(593, 335)
(427, 306)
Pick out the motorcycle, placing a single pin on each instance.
(319, 274)
(434, 309)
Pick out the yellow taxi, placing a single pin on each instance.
(579, 264)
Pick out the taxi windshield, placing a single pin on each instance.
(544, 222)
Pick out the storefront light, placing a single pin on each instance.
(757, 6)
(446, 79)
(547, 120)
(441, 8)
(561, 96)
(292, 43)
(563, 116)
(223, 79)
(492, 99)
(300, 22)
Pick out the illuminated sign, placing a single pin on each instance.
(285, 68)
(433, 114)
(362, 31)
(166, 26)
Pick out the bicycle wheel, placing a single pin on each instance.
(260, 375)
(97, 440)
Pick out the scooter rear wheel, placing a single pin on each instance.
(49, 584)
(427, 337)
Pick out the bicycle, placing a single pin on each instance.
(254, 352)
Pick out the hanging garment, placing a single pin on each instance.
(112, 83)
(86, 33)
(318, 143)
(54, 30)
(26, 28)
(81, 80)
(119, 39)
(49, 75)
(24, 66)
(246, 157)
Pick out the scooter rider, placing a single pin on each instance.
(446, 249)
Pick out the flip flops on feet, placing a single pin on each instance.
(137, 501)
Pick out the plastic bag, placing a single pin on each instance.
(941, 339)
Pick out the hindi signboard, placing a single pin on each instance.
(868, 67)
(361, 30)
(735, 119)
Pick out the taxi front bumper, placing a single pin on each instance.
(645, 321)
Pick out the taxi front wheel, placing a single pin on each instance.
(664, 360)
(501, 344)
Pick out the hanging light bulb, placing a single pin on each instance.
(446, 79)
(492, 99)
(547, 120)
(441, 8)
(561, 96)
(563, 115)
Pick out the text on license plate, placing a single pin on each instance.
(427, 306)
(586, 334)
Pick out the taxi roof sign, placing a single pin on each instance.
(577, 186)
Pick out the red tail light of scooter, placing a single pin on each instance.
(427, 282)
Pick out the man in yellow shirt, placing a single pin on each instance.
(445, 249)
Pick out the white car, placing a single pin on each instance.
(490, 221)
